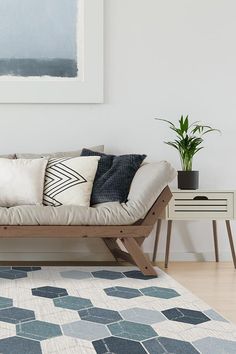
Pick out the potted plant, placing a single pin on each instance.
(188, 141)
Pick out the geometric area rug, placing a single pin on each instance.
(105, 310)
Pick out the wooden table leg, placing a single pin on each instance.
(168, 237)
(156, 240)
(231, 242)
(215, 240)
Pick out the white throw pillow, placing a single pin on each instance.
(21, 181)
(69, 181)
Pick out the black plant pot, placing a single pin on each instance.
(188, 179)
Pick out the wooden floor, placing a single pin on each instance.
(214, 283)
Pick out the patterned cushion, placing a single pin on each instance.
(114, 176)
(69, 181)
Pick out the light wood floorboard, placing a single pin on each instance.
(214, 283)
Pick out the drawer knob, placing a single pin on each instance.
(200, 197)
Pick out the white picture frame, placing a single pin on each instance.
(87, 88)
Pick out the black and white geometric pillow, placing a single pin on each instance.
(69, 181)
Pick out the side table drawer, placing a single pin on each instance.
(198, 205)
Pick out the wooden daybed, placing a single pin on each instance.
(131, 236)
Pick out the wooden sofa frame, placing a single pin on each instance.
(130, 236)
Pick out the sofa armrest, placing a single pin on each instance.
(148, 183)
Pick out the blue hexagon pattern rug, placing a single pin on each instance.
(109, 310)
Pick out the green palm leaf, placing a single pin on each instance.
(189, 138)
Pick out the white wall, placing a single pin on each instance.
(163, 58)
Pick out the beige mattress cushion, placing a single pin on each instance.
(147, 184)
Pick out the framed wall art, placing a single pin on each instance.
(51, 51)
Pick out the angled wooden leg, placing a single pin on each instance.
(168, 237)
(231, 242)
(140, 240)
(112, 246)
(138, 256)
(116, 251)
(214, 225)
(154, 256)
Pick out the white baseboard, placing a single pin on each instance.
(55, 256)
(191, 256)
(105, 256)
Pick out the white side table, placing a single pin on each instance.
(199, 205)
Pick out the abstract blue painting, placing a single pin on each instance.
(38, 38)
